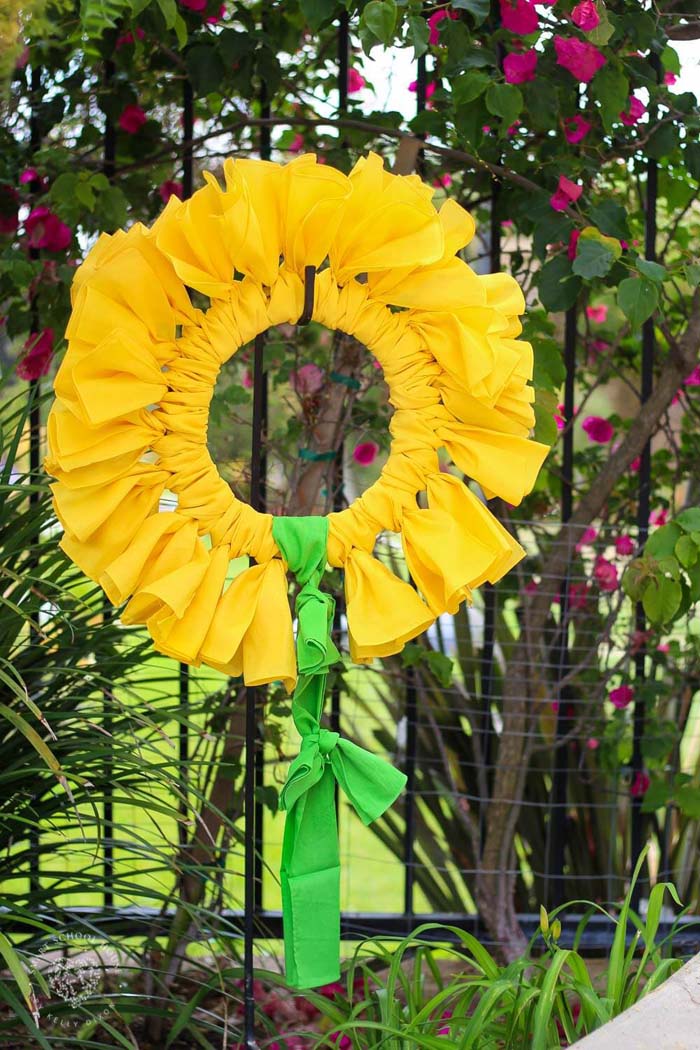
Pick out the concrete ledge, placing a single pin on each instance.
(666, 1019)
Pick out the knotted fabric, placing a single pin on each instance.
(310, 872)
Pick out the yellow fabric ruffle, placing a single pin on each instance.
(129, 421)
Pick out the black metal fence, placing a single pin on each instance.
(255, 919)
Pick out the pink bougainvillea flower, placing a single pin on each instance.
(566, 193)
(635, 110)
(659, 516)
(588, 537)
(598, 429)
(9, 208)
(559, 417)
(342, 1041)
(640, 784)
(170, 188)
(507, 222)
(132, 119)
(624, 545)
(581, 58)
(514, 127)
(46, 231)
(519, 16)
(211, 20)
(585, 16)
(434, 21)
(429, 88)
(621, 697)
(130, 38)
(573, 244)
(38, 352)
(520, 67)
(592, 743)
(663, 647)
(31, 175)
(356, 81)
(247, 379)
(531, 587)
(605, 574)
(296, 145)
(597, 312)
(443, 181)
(694, 378)
(636, 464)
(307, 380)
(670, 79)
(578, 595)
(365, 453)
(194, 5)
(576, 128)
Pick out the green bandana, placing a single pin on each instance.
(310, 872)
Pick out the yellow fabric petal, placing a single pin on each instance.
(192, 236)
(450, 495)
(389, 221)
(315, 206)
(162, 542)
(503, 464)
(182, 636)
(383, 612)
(117, 377)
(238, 639)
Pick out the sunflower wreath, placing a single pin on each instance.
(129, 423)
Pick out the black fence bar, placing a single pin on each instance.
(184, 672)
(643, 510)
(490, 595)
(410, 710)
(252, 846)
(594, 938)
(338, 496)
(109, 159)
(558, 817)
(259, 501)
(34, 414)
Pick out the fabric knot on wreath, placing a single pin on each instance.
(129, 424)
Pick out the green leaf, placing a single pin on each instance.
(691, 156)
(441, 666)
(689, 519)
(168, 9)
(654, 271)
(611, 88)
(545, 426)
(688, 799)
(380, 18)
(663, 542)
(663, 141)
(205, 68)
(468, 86)
(661, 600)
(316, 12)
(603, 31)
(610, 218)
(418, 34)
(549, 371)
(478, 9)
(543, 103)
(670, 60)
(558, 288)
(593, 259)
(686, 552)
(637, 297)
(504, 101)
(692, 274)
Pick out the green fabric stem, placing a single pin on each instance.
(310, 870)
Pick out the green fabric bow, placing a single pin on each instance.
(310, 871)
